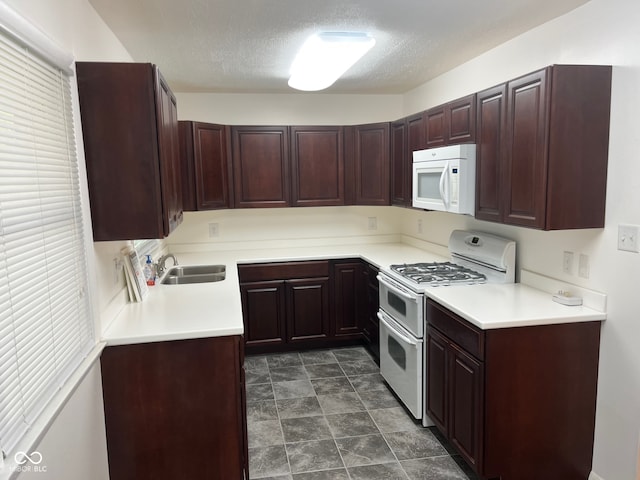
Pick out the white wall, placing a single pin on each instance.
(74, 447)
(288, 109)
(283, 227)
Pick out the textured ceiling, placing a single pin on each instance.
(247, 46)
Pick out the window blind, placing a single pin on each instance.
(45, 322)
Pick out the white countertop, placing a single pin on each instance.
(490, 306)
(178, 312)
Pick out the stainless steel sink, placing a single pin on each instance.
(182, 275)
(182, 271)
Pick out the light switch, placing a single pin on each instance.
(628, 238)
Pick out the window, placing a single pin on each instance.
(45, 322)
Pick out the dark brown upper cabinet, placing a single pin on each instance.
(546, 166)
(368, 158)
(407, 136)
(317, 166)
(130, 132)
(187, 166)
(207, 181)
(451, 123)
(461, 120)
(399, 164)
(261, 166)
(435, 123)
(490, 134)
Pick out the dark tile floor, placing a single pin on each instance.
(328, 415)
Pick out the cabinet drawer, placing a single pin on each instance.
(283, 271)
(458, 330)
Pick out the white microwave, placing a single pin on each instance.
(444, 178)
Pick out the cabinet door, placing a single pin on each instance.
(526, 155)
(167, 401)
(466, 383)
(120, 134)
(372, 164)
(435, 127)
(399, 165)
(317, 166)
(169, 154)
(261, 166)
(407, 136)
(437, 394)
(371, 327)
(213, 178)
(490, 153)
(187, 166)
(579, 119)
(347, 299)
(461, 120)
(263, 311)
(307, 309)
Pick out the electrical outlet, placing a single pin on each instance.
(419, 225)
(567, 262)
(373, 223)
(628, 238)
(583, 266)
(214, 230)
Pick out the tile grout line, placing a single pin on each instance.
(275, 401)
(378, 427)
(350, 382)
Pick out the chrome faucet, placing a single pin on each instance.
(161, 261)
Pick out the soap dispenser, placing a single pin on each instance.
(149, 273)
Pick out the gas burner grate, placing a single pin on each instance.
(439, 273)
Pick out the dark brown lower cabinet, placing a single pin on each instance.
(371, 325)
(264, 312)
(309, 304)
(176, 409)
(308, 309)
(348, 299)
(454, 399)
(285, 305)
(517, 403)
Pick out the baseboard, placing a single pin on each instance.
(595, 476)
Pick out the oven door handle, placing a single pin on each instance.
(395, 331)
(397, 291)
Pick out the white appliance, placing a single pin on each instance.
(476, 257)
(444, 179)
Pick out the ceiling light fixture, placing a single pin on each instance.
(324, 57)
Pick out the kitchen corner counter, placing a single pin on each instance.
(179, 312)
(491, 306)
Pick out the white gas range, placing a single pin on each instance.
(476, 257)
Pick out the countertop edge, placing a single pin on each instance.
(172, 336)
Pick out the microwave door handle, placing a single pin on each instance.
(395, 331)
(444, 194)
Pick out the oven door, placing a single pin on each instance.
(401, 363)
(404, 305)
